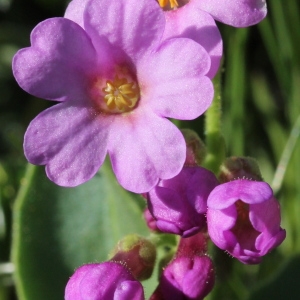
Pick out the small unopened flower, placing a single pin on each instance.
(243, 218)
(186, 278)
(179, 204)
(108, 280)
(117, 83)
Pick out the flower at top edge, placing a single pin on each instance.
(117, 82)
(196, 19)
(103, 281)
(237, 13)
(243, 218)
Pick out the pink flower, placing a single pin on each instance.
(238, 13)
(179, 204)
(106, 280)
(243, 218)
(117, 82)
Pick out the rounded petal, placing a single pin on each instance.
(58, 62)
(145, 148)
(218, 224)
(192, 22)
(135, 27)
(173, 81)
(265, 217)
(238, 13)
(70, 140)
(74, 11)
(250, 192)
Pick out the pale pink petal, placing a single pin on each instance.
(70, 140)
(192, 22)
(173, 81)
(133, 26)
(145, 148)
(75, 11)
(57, 64)
(238, 13)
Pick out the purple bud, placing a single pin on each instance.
(107, 280)
(179, 204)
(151, 222)
(243, 218)
(186, 278)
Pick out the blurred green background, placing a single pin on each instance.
(261, 118)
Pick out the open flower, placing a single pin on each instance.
(117, 82)
(243, 218)
(179, 204)
(107, 280)
(238, 13)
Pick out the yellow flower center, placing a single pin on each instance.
(172, 3)
(116, 96)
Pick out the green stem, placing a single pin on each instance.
(214, 140)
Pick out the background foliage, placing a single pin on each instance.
(56, 229)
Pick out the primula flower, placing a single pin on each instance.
(179, 204)
(238, 13)
(106, 280)
(243, 218)
(117, 82)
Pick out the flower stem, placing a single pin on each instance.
(214, 140)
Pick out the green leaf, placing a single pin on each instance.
(58, 229)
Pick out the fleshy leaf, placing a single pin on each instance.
(58, 229)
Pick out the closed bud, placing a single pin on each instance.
(240, 168)
(137, 253)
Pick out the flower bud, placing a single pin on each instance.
(179, 204)
(195, 148)
(243, 218)
(107, 280)
(150, 221)
(186, 278)
(240, 168)
(137, 253)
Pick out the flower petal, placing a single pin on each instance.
(74, 11)
(250, 192)
(173, 80)
(70, 140)
(58, 62)
(192, 22)
(135, 27)
(145, 148)
(238, 13)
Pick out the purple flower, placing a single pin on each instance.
(238, 13)
(117, 82)
(186, 278)
(179, 204)
(243, 218)
(107, 280)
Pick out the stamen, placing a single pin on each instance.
(115, 96)
(173, 3)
